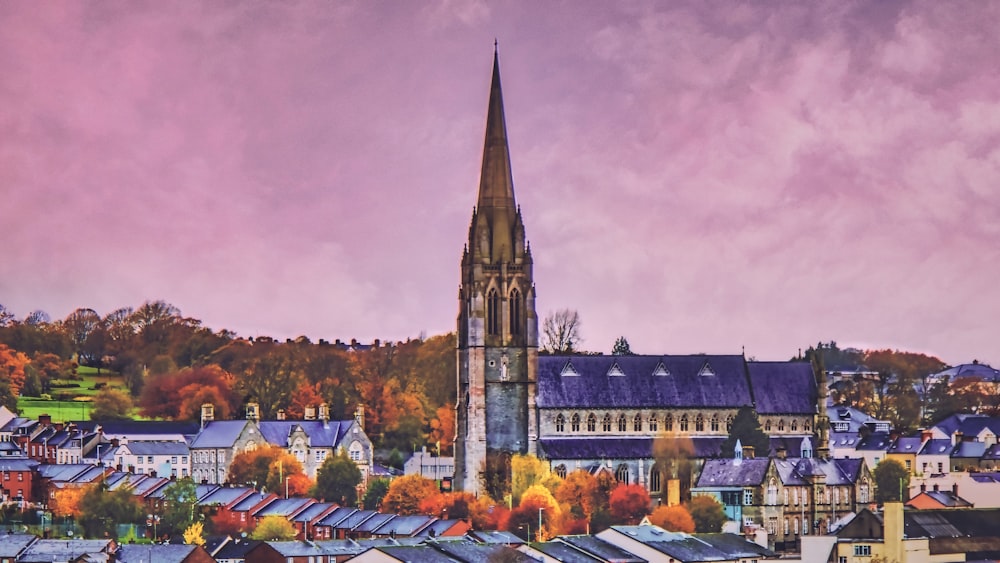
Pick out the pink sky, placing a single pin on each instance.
(697, 177)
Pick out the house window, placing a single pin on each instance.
(785, 491)
(560, 423)
(940, 467)
(653, 423)
(606, 424)
(184, 459)
(637, 423)
(149, 459)
(795, 525)
(173, 459)
(842, 559)
(699, 423)
(772, 525)
(862, 550)
(863, 493)
(354, 451)
(772, 492)
(836, 495)
(787, 527)
(622, 423)
(747, 497)
(908, 465)
(684, 423)
(805, 426)
(574, 423)
(591, 423)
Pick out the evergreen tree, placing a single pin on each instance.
(621, 347)
(746, 428)
(892, 481)
(337, 479)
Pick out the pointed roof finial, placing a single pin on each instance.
(496, 46)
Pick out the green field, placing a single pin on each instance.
(60, 411)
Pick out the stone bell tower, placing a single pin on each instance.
(497, 325)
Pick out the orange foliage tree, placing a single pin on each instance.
(481, 512)
(537, 503)
(65, 502)
(673, 518)
(12, 364)
(305, 395)
(578, 492)
(268, 467)
(443, 429)
(406, 494)
(179, 394)
(629, 503)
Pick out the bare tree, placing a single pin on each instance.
(561, 332)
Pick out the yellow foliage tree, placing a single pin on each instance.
(527, 471)
(195, 534)
(66, 502)
(274, 528)
(537, 504)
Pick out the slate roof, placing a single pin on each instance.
(683, 386)
(495, 536)
(783, 387)
(283, 507)
(219, 434)
(320, 435)
(401, 526)
(597, 448)
(297, 548)
(981, 371)
(236, 549)
(906, 445)
(416, 554)
(944, 498)
(142, 447)
(355, 519)
(876, 441)
(46, 551)
(138, 427)
(373, 523)
(837, 471)
(161, 553)
(973, 450)
(936, 446)
(564, 552)
(733, 473)
(249, 502)
(949, 425)
(223, 496)
(13, 544)
(313, 511)
(17, 464)
(601, 549)
(337, 516)
(474, 553)
(972, 522)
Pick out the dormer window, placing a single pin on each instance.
(569, 370)
(706, 370)
(661, 370)
(615, 371)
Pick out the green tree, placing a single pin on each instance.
(377, 489)
(708, 514)
(746, 428)
(337, 480)
(102, 510)
(111, 404)
(892, 481)
(274, 528)
(621, 347)
(181, 500)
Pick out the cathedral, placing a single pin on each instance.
(597, 413)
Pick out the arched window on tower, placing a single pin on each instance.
(493, 312)
(715, 423)
(654, 425)
(515, 311)
(668, 423)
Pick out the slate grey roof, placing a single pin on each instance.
(783, 387)
(475, 553)
(371, 524)
(876, 441)
(337, 516)
(564, 552)
(495, 536)
(837, 471)
(906, 445)
(976, 370)
(219, 434)
(401, 526)
(13, 544)
(141, 447)
(683, 386)
(355, 519)
(946, 498)
(601, 549)
(959, 522)
(17, 464)
(728, 473)
(160, 553)
(313, 511)
(416, 554)
(236, 549)
(320, 435)
(297, 548)
(46, 551)
(949, 425)
(224, 496)
(597, 448)
(973, 450)
(936, 446)
(283, 507)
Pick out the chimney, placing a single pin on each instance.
(923, 487)
(114, 442)
(925, 435)
(956, 437)
(954, 489)
(782, 452)
(935, 487)
(359, 415)
(281, 414)
(324, 413)
(309, 414)
(44, 419)
(253, 411)
(207, 413)
(747, 452)
(377, 343)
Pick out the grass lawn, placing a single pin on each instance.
(61, 411)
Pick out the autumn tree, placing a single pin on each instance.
(80, 324)
(101, 510)
(673, 519)
(12, 365)
(527, 471)
(270, 379)
(304, 396)
(561, 332)
(406, 493)
(178, 395)
(673, 454)
(892, 481)
(537, 503)
(746, 428)
(443, 430)
(709, 515)
(111, 404)
(578, 491)
(337, 480)
(195, 534)
(65, 501)
(274, 528)
(266, 466)
(629, 503)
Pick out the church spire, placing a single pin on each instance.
(496, 209)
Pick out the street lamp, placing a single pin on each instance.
(286, 486)
(540, 509)
(527, 537)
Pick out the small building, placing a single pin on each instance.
(429, 466)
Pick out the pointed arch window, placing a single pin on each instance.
(574, 423)
(772, 492)
(781, 425)
(684, 423)
(591, 423)
(561, 471)
(655, 480)
(622, 474)
(515, 312)
(795, 425)
(805, 426)
(715, 423)
(668, 423)
(699, 423)
(606, 423)
(622, 423)
(729, 423)
(560, 423)
(767, 426)
(637, 423)
(493, 312)
(654, 425)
